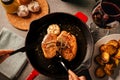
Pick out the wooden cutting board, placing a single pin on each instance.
(24, 23)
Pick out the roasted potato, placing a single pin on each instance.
(98, 60)
(114, 43)
(108, 59)
(108, 69)
(108, 48)
(115, 61)
(105, 57)
(99, 72)
(118, 54)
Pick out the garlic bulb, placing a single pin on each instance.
(23, 11)
(34, 6)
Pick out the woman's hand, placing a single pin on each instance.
(73, 76)
(4, 54)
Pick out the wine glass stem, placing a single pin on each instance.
(108, 32)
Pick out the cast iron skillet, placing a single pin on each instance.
(51, 67)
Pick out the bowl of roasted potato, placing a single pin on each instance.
(106, 58)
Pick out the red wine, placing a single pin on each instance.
(105, 13)
(110, 8)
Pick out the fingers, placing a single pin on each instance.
(82, 78)
(3, 57)
(72, 75)
(3, 52)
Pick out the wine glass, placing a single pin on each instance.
(106, 16)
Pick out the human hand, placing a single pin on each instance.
(73, 76)
(4, 54)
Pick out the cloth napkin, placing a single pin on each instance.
(13, 65)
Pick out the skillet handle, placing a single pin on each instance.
(23, 49)
(32, 75)
(81, 16)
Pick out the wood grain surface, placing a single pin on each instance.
(24, 23)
